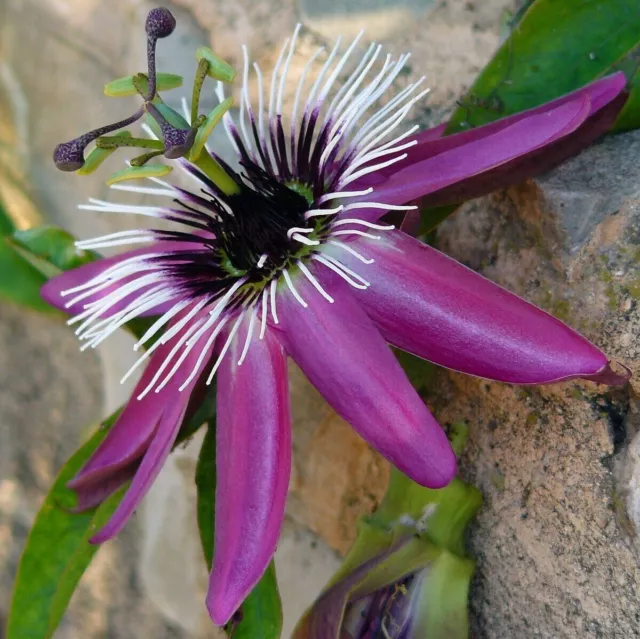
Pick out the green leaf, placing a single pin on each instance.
(261, 610)
(444, 513)
(557, 46)
(206, 492)
(57, 551)
(6, 223)
(419, 371)
(55, 246)
(629, 117)
(20, 281)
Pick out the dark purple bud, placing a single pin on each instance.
(69, 156)
(160, 23)
(177, 142)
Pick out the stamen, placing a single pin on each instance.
(307, 273)
(351, 250)
(225, 348)
(272, 292)
(292, 288)
(247, 341)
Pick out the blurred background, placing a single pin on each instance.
(567, 571)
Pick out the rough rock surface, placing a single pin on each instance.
(556, 541)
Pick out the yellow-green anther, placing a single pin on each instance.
(172, 117)
(218, 68)
(133, 84)
(141, 160)
(153, 125)
(201, 73)
(98, 156)
(206, 129)
(117, 141)
(139, 172)
(216, 174)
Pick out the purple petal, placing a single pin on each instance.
(150, 466)
(166, 409)
(600, 93)
(344, 356)
(51, 291)
(93, 493)
(451, 169)
(430, 305)
(253, 467)
(480, 155)
(129, 437)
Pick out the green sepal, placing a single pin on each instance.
(123, 87)
(97, 156)
(218, 68)
(441, 515)
(140, 172)
(205, 130)
(441, 609)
